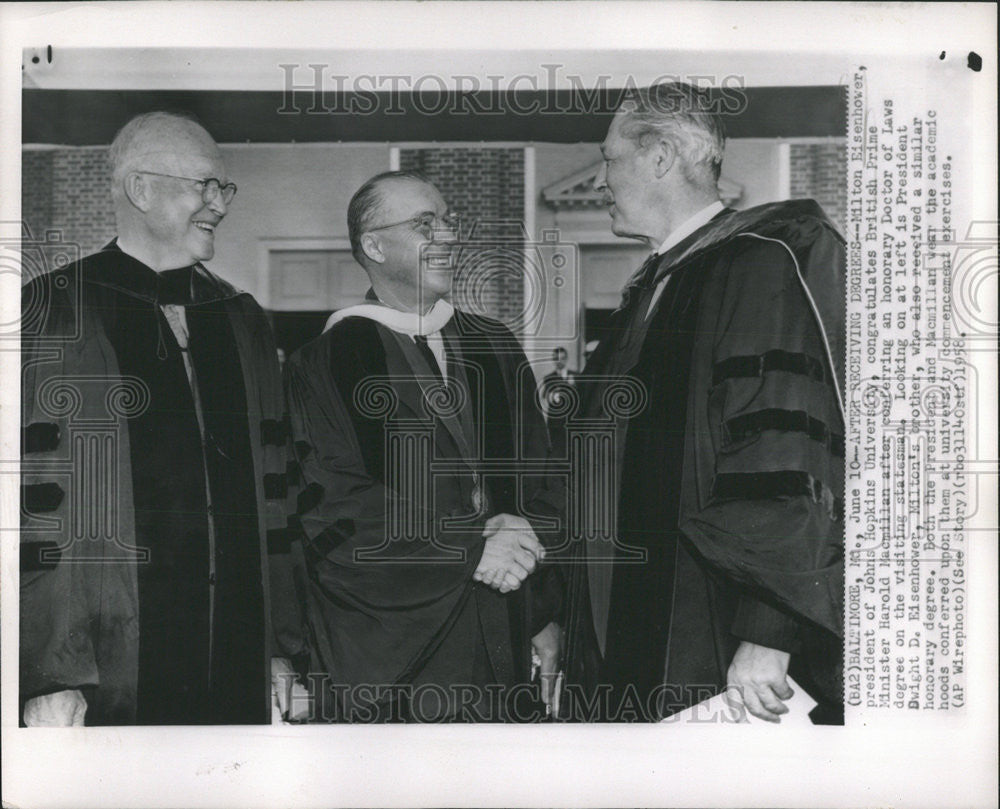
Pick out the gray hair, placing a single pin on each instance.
(133, 136)
(682, 115)
(366, 204)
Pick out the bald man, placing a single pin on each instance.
(147, 590)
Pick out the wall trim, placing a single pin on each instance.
(588, 237)
(38, 147)
(800, 140)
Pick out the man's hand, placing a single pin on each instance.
(757, 675)
(547, 644)
(512, 550)
(61, 709)
(290, 696)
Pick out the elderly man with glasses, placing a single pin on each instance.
(422, 452)
(154, 461)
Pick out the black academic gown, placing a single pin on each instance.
(145, 576)
(731, 474)
(400, 475)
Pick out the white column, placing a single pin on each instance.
(784, 170)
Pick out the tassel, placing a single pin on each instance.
(161, 345)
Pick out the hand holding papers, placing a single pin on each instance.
(728, 708)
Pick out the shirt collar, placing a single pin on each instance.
(689, 226)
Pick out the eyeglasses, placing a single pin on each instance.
(210, 186)
(425, 223)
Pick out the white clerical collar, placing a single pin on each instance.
(409, 323)
(689, 226)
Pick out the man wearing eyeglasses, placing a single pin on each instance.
(147, 591)
(428, 591)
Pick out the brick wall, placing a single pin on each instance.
(819, 172)
(67, 190)
(486, 186)
(36, 191)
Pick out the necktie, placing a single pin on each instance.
(428, 355)
(641, 281)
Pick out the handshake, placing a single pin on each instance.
(511, 553)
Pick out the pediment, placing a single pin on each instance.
(577, 190)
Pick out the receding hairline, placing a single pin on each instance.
(158, 134)
(380, 184)
(383, 193)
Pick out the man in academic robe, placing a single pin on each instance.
(411, 422)
(727, 562)
(154, 454)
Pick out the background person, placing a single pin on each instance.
(553, 393)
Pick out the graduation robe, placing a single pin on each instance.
(730, 478)
(393, 469)
(146, 518)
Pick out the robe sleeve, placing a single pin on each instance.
(772, 516)
(277, 484)
(287, 592)
(281, 485)
(78, 610)
(57, 644)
